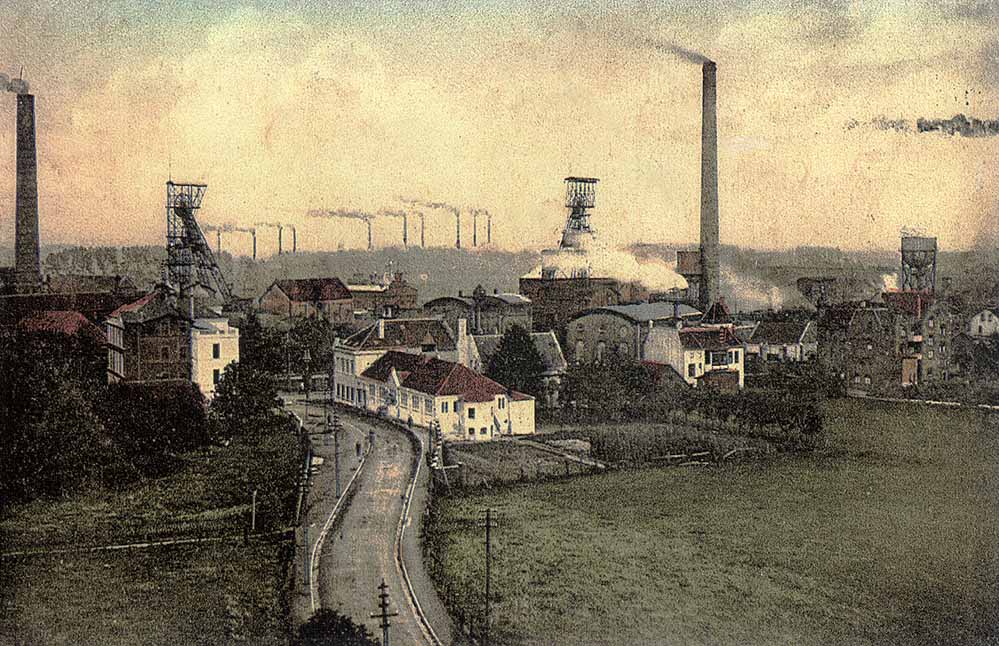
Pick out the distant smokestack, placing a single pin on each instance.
(294, 240)
(254, 232)
(457, 229)
(709, 189)
(280, 233)
(27, 264)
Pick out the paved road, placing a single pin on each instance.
(360, 551)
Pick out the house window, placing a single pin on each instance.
(371, 391)
(482, 431)
(471, 430)
(444, 407)
(405, 400)
(471, 412)
(216, 350)
(502, 403)
(165, 353)
(691, 369)
(428, 406)
(930, 354)
(216, 376)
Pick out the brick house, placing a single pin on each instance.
(326, 298)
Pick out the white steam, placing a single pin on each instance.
(17, 86)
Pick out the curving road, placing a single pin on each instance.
(360, 551)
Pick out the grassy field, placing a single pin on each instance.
(888, 535)
(506, 462)
(211, 594)
(208, 494)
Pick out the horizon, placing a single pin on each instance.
(285, 110)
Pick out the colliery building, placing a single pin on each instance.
(603, 333)
(485, 313)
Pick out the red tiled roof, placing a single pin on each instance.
(434, 376)
(62, 322)
(313, 290)
(701, 338)
(134, 306)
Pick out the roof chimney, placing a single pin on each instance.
(27, 264)
(709, 189)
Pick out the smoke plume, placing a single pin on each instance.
(680, 52)
(430, 205)
(349, 214)
(391, 213)
(956, 125)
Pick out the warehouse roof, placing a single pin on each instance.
(645, 312)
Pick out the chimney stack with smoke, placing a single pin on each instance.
(709, 190)
(27, 264)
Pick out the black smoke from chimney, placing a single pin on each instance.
(27, 264)
(710, 271)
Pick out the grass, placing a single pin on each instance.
(209, 494)
(211, 594)
(887, 535)
(506, 461)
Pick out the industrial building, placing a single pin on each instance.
(617, 332)
(486, 313)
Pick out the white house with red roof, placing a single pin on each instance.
(421, 390)
(701, 355)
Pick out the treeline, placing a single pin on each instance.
(65, 429)
(630, 392)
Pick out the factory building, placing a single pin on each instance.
(621, 331)
(486, 313)
(385, 296)
(326, 298)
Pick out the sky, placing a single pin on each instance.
(286, 107)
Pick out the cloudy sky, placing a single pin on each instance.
(285, 107)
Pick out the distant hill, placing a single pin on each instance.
(751, 278)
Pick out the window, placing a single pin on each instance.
(444, 407)
(867, 381)
(405, 400)
(930, 323)
(502, 403)
(482, 431)
(428, 406)
(471, 430)
(371, 391)
(216, 350)
(691, 369)
(930, 354)
(216, 376)
(165, 353)
(471, 412)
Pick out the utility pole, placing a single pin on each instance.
(383, 613)
(333, 426)
(489, 524)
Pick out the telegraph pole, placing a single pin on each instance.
(383, 613)
(490, 523)
(333, 426)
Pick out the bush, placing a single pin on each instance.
(329, 628)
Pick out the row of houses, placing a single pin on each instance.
(338, 302)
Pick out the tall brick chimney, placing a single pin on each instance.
(710, 271)
(27, 264)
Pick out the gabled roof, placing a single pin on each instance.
(779, 332)
(313, 290)
(717, 314)
(434, 377)
(546, 343)
(158, 304)
(712, 339)
(403, 333)
(645, 312)
(62, 322)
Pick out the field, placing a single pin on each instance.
(208, 494)
(211, 594)
(217, 592)
(887, 535)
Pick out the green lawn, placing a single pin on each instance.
(211, 594)
(208, 494)
(888, 535)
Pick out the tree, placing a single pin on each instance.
(245, 398)
(259, 347)
(329, 628)
(516, 363)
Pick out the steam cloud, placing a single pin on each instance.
(17, 86)
(391, 213)
(430, 205)
(349, 214)
(230, 228)
(956, 125)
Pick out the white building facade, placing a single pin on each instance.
(214, 345)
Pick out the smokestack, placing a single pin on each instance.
(489, 228)
(457, 228)
(294, 240)
(27, 263)
(709, 190)
(475, 228)
(280, 232)
(423, 230)
(405, 231)
(254, 233)
(368, 222)
(218, 242)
